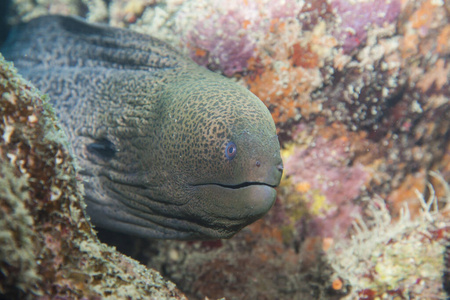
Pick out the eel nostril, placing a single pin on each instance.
(280, 167)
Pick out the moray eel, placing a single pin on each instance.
(166, 148)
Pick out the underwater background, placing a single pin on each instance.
(359, 91)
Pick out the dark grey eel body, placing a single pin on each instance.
(166, 149)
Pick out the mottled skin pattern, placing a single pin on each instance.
(150, 130)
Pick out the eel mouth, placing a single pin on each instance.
(242, 203)
(236, 186)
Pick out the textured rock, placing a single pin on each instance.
(48, 248)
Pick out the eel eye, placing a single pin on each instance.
(230, 150)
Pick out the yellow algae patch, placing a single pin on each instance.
(319, 203)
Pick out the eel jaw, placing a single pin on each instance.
(214, 210)
(241, 203)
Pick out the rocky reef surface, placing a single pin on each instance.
(48, 249)
(359, 90)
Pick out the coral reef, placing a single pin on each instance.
(25, 10)
(47, 246)
(357, 17)
(362, 108)
(223, 36)
(400, 259)
(210, 47)
(322, 184)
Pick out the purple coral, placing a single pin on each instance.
(357, 16)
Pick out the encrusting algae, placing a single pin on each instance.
(48, 248)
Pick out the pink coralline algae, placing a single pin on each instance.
(357, 16)
(329, 185)
(224, 39)
(283, 9)
(221, 43)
